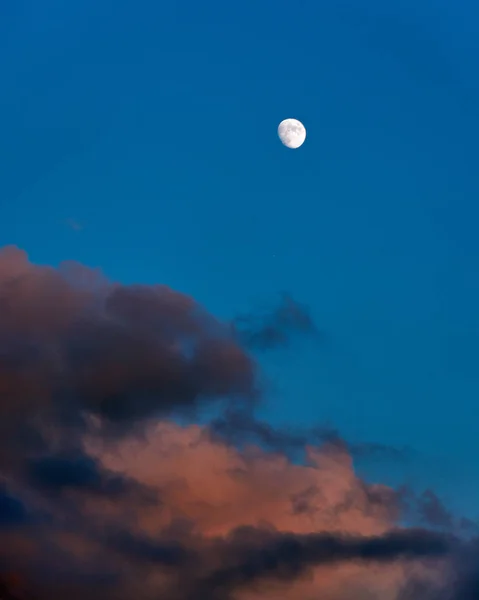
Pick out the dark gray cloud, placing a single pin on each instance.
(72, 343)
(76, 471)
(433, 511)
(146, 550)
(274, 328)
(242, 426)
(13, 512)
(257, 554)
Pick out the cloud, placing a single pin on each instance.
(104, 494)
(433, 511)
(242, 426)
(252, 518)
(270, 329)
(76, 471)
(222, 520)
(286, 556)
(13, 512)
(73, 344)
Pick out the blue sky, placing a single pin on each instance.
(151, 127)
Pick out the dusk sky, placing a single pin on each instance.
(140, 138)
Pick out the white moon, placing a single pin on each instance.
(292, 133)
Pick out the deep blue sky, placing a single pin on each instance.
(152, 127)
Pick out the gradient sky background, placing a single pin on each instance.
(140, 137)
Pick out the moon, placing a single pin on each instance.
(292, 133)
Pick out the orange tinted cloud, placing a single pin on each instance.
(216, 490)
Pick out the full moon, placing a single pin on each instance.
(292, 133)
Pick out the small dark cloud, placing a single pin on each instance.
(433, 512)
(427, 509)
(376, 451)
(239, 427)
(144, 549)
(255, 554)
(76, 471)
(274, 328)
